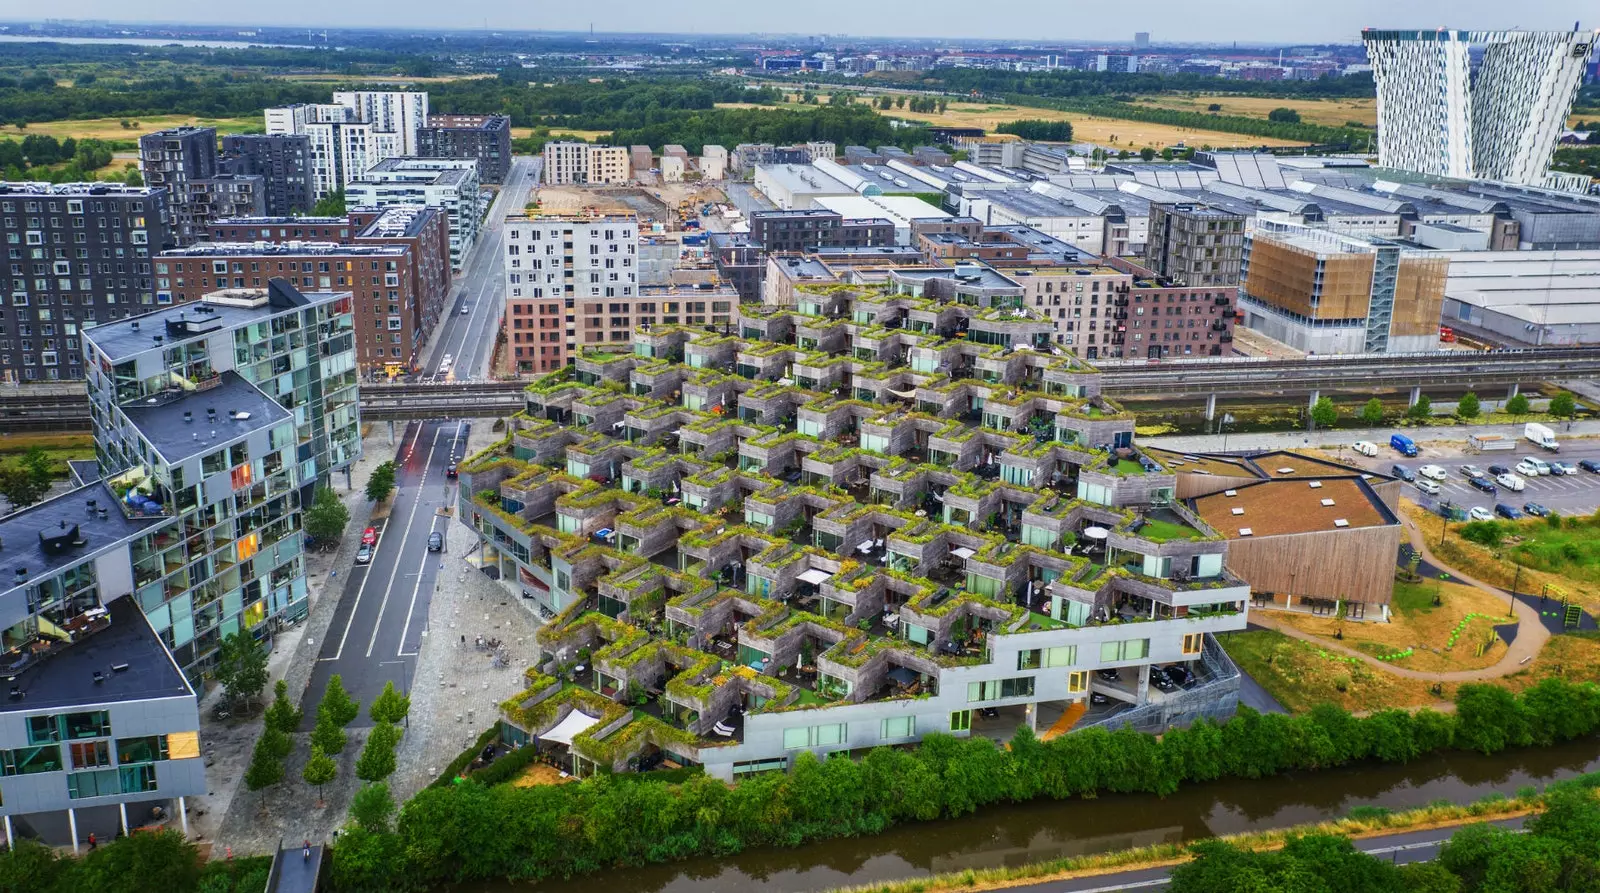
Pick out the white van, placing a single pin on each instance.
(1365, 447)
(1511, 482)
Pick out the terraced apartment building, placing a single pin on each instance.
(886, 511)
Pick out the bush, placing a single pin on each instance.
(466, 756)
(507, 767)
(1484, 533)
(1283, 116)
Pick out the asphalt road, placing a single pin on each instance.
(1577, 494)
(1402, 849)
(469, 337)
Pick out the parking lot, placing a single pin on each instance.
(1576, 494)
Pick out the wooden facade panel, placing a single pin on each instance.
(1354, 565)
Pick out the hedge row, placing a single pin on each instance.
(471, 832)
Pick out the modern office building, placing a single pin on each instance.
(1475, 104)
(1194, 244)
(555, 262)
(283, 161)
(585, 164)
(78, 255)
(1331, 293)
(449, 184)
(484, 138)
(353, 133)
(966, 542)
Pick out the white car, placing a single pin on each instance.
(1511, 482)
(1526, 467)
(1432, 471)
(1428, 486)
(1365, 448)
(1479, 513)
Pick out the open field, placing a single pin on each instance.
(1116, 132)
(1327, 112)
(1416, 623)
(1574, 657)
(1301, 675)
(1484, 564)
(590, 135)
(59, 447)
(391, 80)
(112, 129)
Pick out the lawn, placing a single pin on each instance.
(1301, 675)
(1416, 623)
(1164, 531)
(112, 129)
(1327, 112)
(1572, 656)
(1576, 576)
(59, 447)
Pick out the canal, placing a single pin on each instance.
(1048, 829)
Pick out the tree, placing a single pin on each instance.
(372, 807)
(381, 483)
(1422, 410)
(266, 766)
(1147, 153)
(283, 715)
(327, 736)
(330, 205)
(377, 760)
(31, 866)
(390, 706)
(1323, 413)
(320, 770)
(1467, 407)
(1214, 107)
(241, 668)
(1283, 116)
(1372, 413)
(39, 467)
(140, 863)
(338, 703)
(1517, 406)
(278, 742)
(328, 516)
(19, 487)
(1562, 406)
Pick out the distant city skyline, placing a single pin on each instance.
(1029, 21)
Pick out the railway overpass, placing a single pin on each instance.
(64, 407)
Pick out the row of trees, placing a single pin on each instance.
(1035, 129)
(1560, 851)
(1324, 413)
(469, 832)
(162, 861)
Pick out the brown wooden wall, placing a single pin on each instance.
(1354, 565)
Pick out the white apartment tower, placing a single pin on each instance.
(572, 163)
(1475, 104)
(557, 265)
(353, 133)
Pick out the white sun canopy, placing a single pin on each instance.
(574, 725)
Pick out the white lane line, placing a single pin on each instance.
(412, 610)
(421, 485)
(491, 245)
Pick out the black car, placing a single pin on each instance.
(1159, 678)
(1180, 674)
(1535, 509)
(1498, 470)
(436, 542)
(1108, 675)
(1508, 512)
(1590, 465)
(450, 471)
(1403, 473)
(1483, 484)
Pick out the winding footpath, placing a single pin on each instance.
(1529, 641)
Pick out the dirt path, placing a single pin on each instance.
(1531, 632)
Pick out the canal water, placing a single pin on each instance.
(1048, 829)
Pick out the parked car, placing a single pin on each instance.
(1109, 675)
(1159, 678)
(1429, 487)
(1403, 445)
(1098, 699)
(436, 542)
(1563, 468)
(1479, 513)
(1365, 447)
(1590, 465)
(1498, 470)
(465, 309)
(369, 537)
(1180, 674)
(1484, 484)
(364, 554)
(1511, 482)
(1471, 471)
(1403, 473)
(1526, 468)
(1535, 509)
(1432, 471)
(1509, 512)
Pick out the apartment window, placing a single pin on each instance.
(1030, 659)
(897, 727)
(31, 760)
(1193, 642)
(1078, 682)
(1061, 656)
(813, 736)
(1128, 649)
(99, 783)
(995, 689)
(961, 721)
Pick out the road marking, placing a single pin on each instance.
(493, 240)
(421, 485)
(404, 630)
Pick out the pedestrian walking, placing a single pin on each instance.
(92, 842)
(306, 853)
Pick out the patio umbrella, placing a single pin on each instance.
(902, 676)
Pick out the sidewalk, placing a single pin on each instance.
(1292, 440)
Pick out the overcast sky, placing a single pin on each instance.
(1018, 20)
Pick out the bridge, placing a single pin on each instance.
(64, 406)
